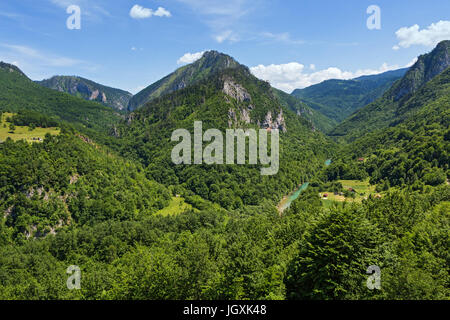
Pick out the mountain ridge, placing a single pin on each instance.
(18, 92)
(337, 99)
(386, 110)
(89, 90)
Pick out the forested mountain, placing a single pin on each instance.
(69, 181)
(401, 99)
(89, 90)
(337, 99)
(231, 98)
(140, 227)
(409, 163)
(211, 62)
(414, 151)
(17, 92)
(11, 68)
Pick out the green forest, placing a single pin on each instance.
(92, 196)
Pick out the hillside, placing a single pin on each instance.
(67, 181)
(17, 92)
(415, 150)
(317, 118)
(21, 131)
(211, 62)
(400, 99)
(337, 99)
(89, 90)
(11, 69)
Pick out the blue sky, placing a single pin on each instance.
(291, 43)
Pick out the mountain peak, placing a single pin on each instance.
(444, 44)
(216, 55)
(426, 68)
(210, 63)
(212, 54)
(11, 68)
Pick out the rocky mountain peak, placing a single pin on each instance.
(11, 68)
(426, 68)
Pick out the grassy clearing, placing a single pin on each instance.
(363, 190)
(176, 206)
(359, 186)
(23, 132)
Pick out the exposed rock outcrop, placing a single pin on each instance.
(426, 68)
(245, 116)
(279, 123)
(231, 117)
(236, 91)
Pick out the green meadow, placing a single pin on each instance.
(23, 132)
(177, 206)
(363, 190)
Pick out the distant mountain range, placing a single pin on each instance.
(407, 95)
(324, 105)
(89, 90)
(340, 107)
(337, 99)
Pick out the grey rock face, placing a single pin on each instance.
(236, 91)
(279, 123)
(89, 90)
(426, 68)
(245, 116)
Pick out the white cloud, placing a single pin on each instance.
(139, 12)
(291, 76)
(190, 57)
(93, 12)
(429, 37)
(38, 64)
(11, 15)
(161, 12)
(282, 37)
(44, 59)
(225, 19)
(230, 8)
(227, 35)
(312, 66)
(413, 61)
